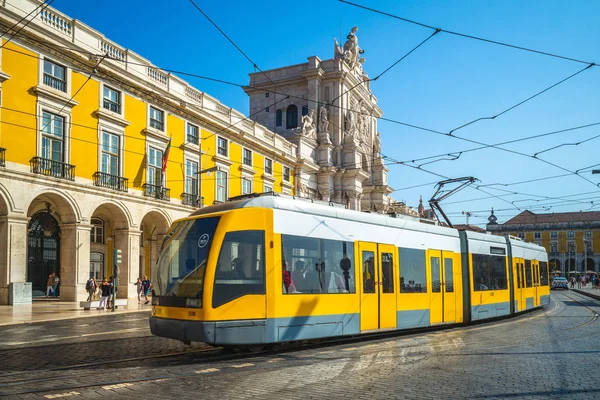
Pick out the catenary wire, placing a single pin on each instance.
(468, 36)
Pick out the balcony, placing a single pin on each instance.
(56, 169)
(111, 106)
(2, 157)
(111, 181)
(55, 83)
(191, 200)
(158, 192)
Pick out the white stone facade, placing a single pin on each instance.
(327, 109)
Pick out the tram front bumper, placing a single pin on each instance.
(219, 333)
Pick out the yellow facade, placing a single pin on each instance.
(83, 137)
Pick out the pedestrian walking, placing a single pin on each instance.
(140, 289)
(146, 284)
(49, 284)
(90, 286)
(104, 294)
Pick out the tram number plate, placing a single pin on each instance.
(191, 313)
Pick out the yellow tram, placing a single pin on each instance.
(268, 269)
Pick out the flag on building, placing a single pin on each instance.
(166, 156)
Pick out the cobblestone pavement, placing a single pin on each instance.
(549, 354)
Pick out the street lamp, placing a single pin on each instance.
(206, 171)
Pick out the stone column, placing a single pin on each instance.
(128, 241)
(74, 261)
(13, 253)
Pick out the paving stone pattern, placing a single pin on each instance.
(548, 354)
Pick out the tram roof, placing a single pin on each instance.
(325, 209)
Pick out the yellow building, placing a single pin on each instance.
(572, 239)
(85, 125)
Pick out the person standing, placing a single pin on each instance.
(49, 284)
(146, 284)
(140, 288)
(55, 284)
(104, 293)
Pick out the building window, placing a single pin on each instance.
(521, 235)
(111, 100)
(157, 119)
(588, 246)
(570, 234)
(246, 186)
(278, 115)
(553, 235)
(267, 94)
(110, 154)
(304, 110)
(155, 167)
(286, 174)
(553, 247)
(571, 247)
(268, 166)
(97, 233)
(191, 178)
(291, 117)
(222, 146)
(221, 186)
(192, 133)
(247, 159)
(55, 76)
(52, 136)
(588, 234)
(267, 109)
(537, 235)
(267, 188)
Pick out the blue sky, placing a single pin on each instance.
(446, 83)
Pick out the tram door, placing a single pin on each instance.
(443, 299)
(536, 282)
(378, 294)
(519, 284)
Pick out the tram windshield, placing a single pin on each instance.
(183, 258)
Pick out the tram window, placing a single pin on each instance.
(387, 272)
(489, 272)
(368, 272)
(519, 279)
(448, 275)
(182, 263)
(317, 265)
(528, 282)
(436, 285)
(412, 271)
(543, 273)
(240, 267)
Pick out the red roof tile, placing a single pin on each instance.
(527, 217)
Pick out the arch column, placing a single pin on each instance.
(128, 241)
(13, 253)
(74, 261)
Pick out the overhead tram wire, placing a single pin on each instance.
(46, 3)
(469, 36)
(520, 103)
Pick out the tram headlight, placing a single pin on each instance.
(195, 303)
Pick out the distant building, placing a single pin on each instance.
(473, 228)
(568, 237)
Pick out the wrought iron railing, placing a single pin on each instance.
(111, 106)
(56, 169)
(54, 82)
(191, 200)
(2, 157)
(109, 181)
(158, 192)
